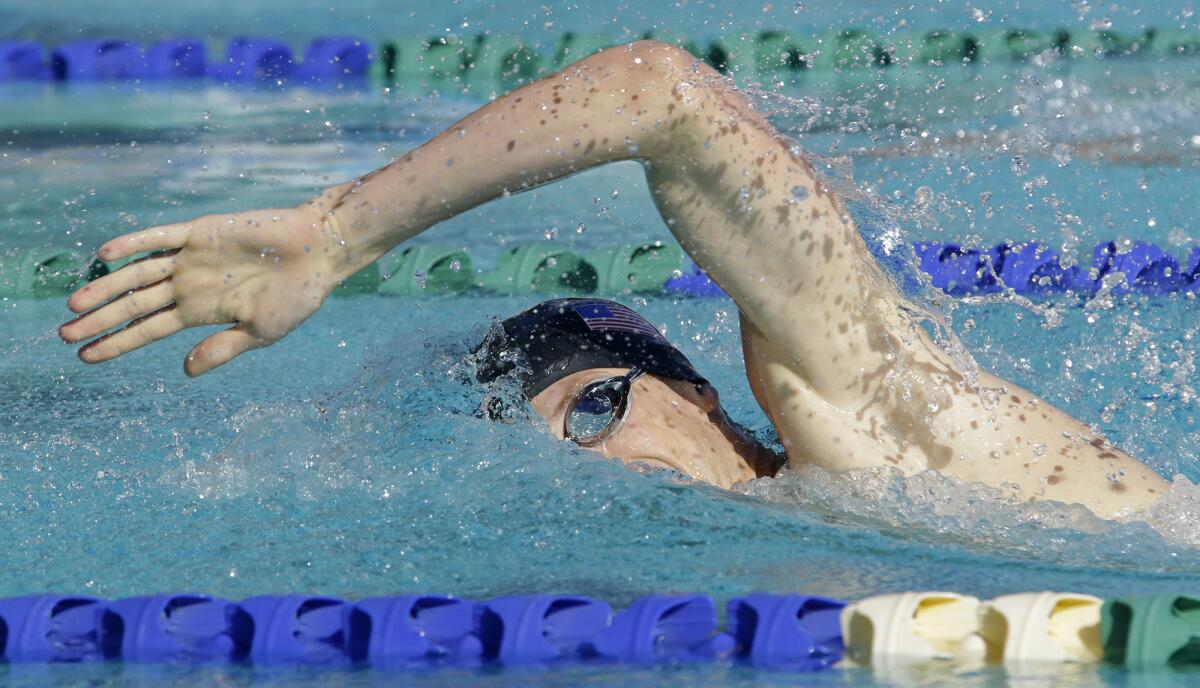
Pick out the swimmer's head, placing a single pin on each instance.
(603, 377)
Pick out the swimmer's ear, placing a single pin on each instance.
(220, 349)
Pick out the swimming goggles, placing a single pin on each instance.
(599, 409)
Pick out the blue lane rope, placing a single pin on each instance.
(506, 59)
(790, 631)
(784, 631)
(1035, 269)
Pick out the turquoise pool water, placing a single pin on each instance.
(349, 460)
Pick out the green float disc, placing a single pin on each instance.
(429, 269)
(932, 48)
(1173, 42)
(1102, 43)
(848, 49)
(636, 267)
(42, 273)
(503, 60)
(1151, 631)
(1012, 44)
(734, 55)
(536, 269)
(437, 58)
(365, 281)
(573, 47)
(779, 52)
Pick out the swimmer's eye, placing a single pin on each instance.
(599, 410)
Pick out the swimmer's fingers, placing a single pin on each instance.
(145, 330)
(153, 239)
(220, 349)
(139, 273)
(135, 304)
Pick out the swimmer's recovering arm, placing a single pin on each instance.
(709, 158)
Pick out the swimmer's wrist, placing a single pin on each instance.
(360, 234)
(346, 252)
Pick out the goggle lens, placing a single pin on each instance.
(599, 409)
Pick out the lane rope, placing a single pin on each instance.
(508, 60)
(778, 631)
(660, 268)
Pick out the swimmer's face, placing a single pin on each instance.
(670, 424)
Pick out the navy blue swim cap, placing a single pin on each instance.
(563, 336)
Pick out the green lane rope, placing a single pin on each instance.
(418, 270)
(507, 60)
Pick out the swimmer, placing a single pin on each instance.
(833, 354)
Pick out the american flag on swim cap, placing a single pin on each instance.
(609, 316)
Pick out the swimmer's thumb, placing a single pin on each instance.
(220, 349)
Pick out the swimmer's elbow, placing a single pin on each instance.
(651, 57)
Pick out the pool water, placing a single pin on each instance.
(349, 459)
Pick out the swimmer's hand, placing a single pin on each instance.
(265, 271)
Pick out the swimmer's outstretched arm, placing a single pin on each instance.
(846, 376)
(724, 180)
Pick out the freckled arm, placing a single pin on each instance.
(739, 198)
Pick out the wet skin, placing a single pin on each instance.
(833, 355)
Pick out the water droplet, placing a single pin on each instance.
(1061, 154)
(800, 193)
(581, 228)
(798, 8)
(551, 233)
(614, 194)
(1020, 166)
